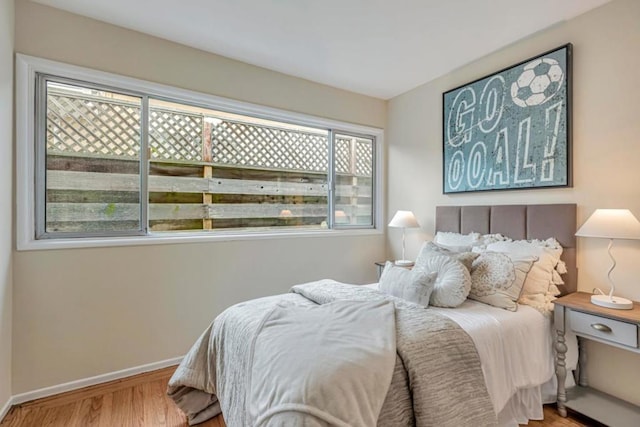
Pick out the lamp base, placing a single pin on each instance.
(613, 302)
(403, 263)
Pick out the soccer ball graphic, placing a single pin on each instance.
(539, 82)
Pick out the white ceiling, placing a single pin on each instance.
(380, 48)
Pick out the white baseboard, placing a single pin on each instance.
(5, 409)
(86, 382)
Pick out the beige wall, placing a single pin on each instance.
(6, 192)
(606, 152)
(84, 312)
(61, 36)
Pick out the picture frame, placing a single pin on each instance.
(511, 130)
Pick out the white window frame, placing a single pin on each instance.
(26, 69)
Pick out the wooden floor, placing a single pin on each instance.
(141, 401)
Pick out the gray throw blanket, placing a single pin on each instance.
(437, 379)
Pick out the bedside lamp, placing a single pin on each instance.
(611, 224)
(404, 219)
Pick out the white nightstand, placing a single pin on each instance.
(619, 328)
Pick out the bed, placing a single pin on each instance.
(472, 365)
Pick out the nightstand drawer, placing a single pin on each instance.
(607, 329)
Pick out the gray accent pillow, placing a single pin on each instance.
(465, 257)
(453, 282)
(411, 285)
(497, 278)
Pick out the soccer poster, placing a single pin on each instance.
(510, 130)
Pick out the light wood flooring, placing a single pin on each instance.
(141, 401)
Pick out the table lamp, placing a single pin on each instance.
(404, 219)
(611, 224)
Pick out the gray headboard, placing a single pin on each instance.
(519, 222)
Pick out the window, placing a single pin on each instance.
(114, 157)
(90, 179)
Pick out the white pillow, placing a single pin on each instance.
(411, 285)
(451, 240)
(537, 287)
(497, 278)
(452, 283)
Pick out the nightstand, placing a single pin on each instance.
(380, 266)
(618, 328)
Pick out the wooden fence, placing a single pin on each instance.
(205, 172)
(81, 196)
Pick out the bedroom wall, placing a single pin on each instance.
(85, 312)
(606, 151)
(6, 194)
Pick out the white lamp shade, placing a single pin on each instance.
(611, 224)
(404, 219)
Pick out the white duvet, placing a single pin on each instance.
(515, 350)
(516, 353)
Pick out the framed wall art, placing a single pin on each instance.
(511, 129)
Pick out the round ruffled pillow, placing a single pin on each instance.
(453, 281)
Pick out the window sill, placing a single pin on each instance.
(177, 238)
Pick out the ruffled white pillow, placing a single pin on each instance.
(453, 281)
(539, 288)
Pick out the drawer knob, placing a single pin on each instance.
(600, 327)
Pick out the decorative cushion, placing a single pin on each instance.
(497, 278)
(539, 288)
(412, 285)
(465, 257)
(453, 281)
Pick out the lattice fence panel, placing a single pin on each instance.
(91, 125)
(88, 125)
(343, 155)
(245, 144)
(175, 135)
(364, 158)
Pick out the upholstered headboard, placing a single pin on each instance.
(519, 222)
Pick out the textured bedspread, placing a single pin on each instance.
(437, 379)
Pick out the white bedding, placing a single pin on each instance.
(248, 367)
(516, 352)
(514, 347)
